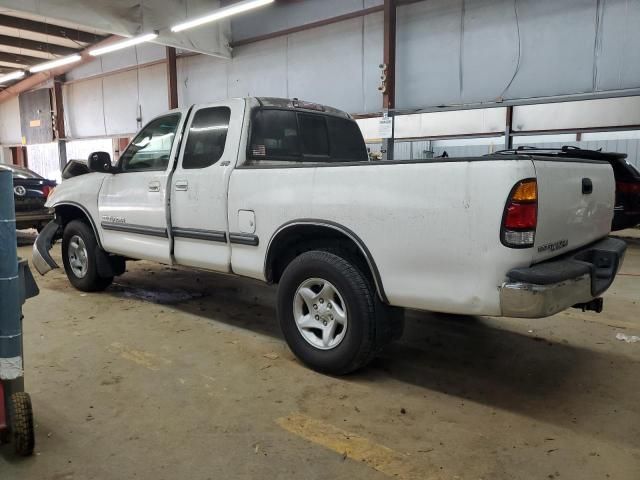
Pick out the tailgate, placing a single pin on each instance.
(575, 204)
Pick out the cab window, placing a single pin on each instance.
(289, 135)
(151, 148)
(207, 137)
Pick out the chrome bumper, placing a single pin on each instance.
(553, 286)
(42, 260)
(526, 300)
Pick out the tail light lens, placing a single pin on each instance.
(628, 187)
(46, 191)
(520, 217)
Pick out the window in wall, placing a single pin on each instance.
(151, 148)
(207, 137)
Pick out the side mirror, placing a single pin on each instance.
(100, 162)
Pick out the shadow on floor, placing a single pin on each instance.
(467, 357)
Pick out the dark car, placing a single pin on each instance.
(627, 209)
(627, 204)
(30, 192)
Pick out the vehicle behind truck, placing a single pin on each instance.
(283, 191)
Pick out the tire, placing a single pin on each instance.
(78, 233)
(21, 424)
(356, 342)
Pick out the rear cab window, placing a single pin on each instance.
(285, 136)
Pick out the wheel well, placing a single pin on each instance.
(67, 213)
(296, 239)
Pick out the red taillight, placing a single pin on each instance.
(46, 191)
(628, 187)
(520, 217)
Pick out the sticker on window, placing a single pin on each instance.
(259, 151)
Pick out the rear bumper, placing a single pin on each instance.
(550, 287)
(42, 260)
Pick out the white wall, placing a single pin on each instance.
(109, 105)
(10, 122)
(336, 65)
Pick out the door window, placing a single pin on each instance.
(207, 137)
(151, 148)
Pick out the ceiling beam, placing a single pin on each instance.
(36, 79)
(25, 43)
(26, 60)
(48, 29)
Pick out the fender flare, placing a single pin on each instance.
(339, 228)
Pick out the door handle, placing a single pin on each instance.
(182, 185)
(154, 186)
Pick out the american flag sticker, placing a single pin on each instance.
(259, 150)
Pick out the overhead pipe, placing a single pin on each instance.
(37, 78)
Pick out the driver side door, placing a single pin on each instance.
(133, 202)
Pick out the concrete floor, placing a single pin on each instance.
(175, 374)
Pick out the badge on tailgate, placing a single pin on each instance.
(554, 246)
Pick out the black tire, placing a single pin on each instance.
(91, 282)
(21, 424)
(361, 340)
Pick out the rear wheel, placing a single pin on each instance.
(327, 312)
(79, 247)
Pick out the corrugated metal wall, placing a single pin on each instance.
(425, 149)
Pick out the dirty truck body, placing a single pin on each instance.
(283, 191)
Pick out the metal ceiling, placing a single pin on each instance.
(27, 39)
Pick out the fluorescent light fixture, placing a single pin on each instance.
(11, 76)
(220, 13)
(55, 63)
(124, 44)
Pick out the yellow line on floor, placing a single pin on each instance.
(355, 447)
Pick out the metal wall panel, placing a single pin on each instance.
(325, 65)
(336, 64)
(121, 102)
(36, 116)
(455, 52)
(129, 57)
(84, 110)
(618, 56)
(609, 112)
(202, 79)
(10, 122)
(259, 69)
(283, 16)
(428, 50)
(153, 91)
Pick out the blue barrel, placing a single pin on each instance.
(10, 302)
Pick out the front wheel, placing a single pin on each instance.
(79, 248)
(327, 312)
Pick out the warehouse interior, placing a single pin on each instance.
(176, 372)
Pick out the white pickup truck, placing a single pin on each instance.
(283, 191)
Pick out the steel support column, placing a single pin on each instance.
(389, 60)
(172, 78)
(58, 123)
(508, 129)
